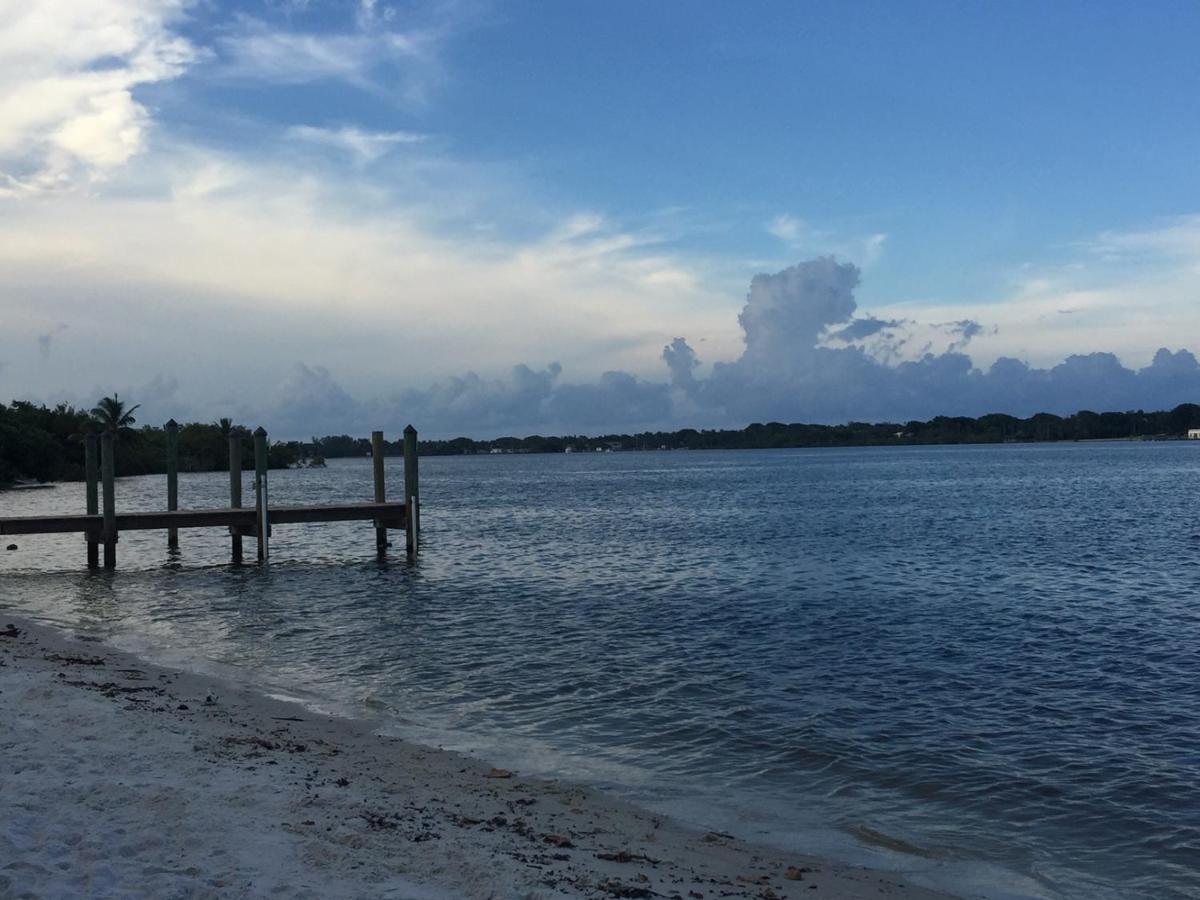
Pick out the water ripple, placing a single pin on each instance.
(984, 659)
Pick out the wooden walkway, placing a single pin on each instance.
(102, 527)
(387, 515)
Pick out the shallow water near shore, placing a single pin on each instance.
(981, 664)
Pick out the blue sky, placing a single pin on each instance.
(405, 193)
(998, 133)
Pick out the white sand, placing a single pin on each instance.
(118, 779)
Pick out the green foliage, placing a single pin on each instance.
(47, 444)
(111, 415)
(285, 454)
(989, 429)
(41, 443)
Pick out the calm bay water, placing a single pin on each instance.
(979, 664)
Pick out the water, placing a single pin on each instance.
(980, 664)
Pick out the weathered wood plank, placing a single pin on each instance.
(380, 488)
(172, 428)
(412, 491)
(91, 469)
(393, 514)
(349, 512)
(235, 489)
(108, 477)
(51, 524)
(263, 530)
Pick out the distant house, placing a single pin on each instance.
(1194, 434)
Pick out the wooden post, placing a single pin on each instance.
(108, 474)
(260, 493)
(91, 472)
(172, 428)
(235, 488)
(412, 493)
(380, 490)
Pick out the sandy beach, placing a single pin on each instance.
(125, 779)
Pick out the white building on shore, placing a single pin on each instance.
(1194, 434)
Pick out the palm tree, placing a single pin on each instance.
(226, 426)
(111, 415)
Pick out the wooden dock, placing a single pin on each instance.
(103, 527)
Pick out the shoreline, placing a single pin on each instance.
(127, 778)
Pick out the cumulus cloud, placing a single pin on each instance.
(786, 313)
(787, 371)
(68, 71)
(963, 330)
(861, 329)
(310, 394)
(784, 373)
(681, 362)
(412, 278)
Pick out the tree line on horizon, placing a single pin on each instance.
(46, 443)
(41, 443)
(993, 428)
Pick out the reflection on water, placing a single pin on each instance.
(974, 659)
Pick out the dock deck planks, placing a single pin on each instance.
(390, 515)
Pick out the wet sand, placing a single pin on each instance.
(125, 779)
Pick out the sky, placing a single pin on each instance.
(513, 217)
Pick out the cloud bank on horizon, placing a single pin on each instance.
(333, 216)
(804, 360)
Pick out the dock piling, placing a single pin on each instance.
(172, 429)
(380, 489)
(235, 489)
(91, 474)
(260, 493)
(102, 523)
(412, 494)
(108, 475)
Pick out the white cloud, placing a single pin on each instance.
(224, 250)
(1177, 238)
(789, 229)
(68, 69)
(370, 56)
(234, 265)
(1127, 292)
(804, 239)
(363, 146)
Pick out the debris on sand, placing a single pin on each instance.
(75, 660)
(624, 856)
(617, 889)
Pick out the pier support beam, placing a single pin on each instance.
(172, 429)
(260, 494)
(91, 474)
(108, 476)
(380, 489)
(412, 492)
(235, 489)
